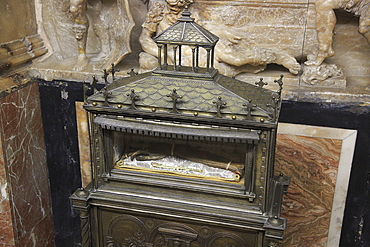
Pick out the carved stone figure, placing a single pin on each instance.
(78, 10)
(160, 16)
(235, 53)
(313, 75)
(107, 24)
(326, 20)
(316, 71)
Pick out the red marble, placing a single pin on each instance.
(25, 163)
(312, 164)
(6, 224)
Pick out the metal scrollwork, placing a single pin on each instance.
(132, 73)
(226, 244)
(110, 241)
(137, 240)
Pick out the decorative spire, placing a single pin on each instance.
(275, 107)
(219, 104)
(107, 94)
(249, 107)
(113, 71)
(261, 83)
(174, 96)
(280, 83)
(94, 83)
(105, 76)
(133, 96)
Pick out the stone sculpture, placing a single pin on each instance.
(234, 53)
(96, 32)
(78, 9)
(326, 20)
(316, 70)
(108, 21)
(252, 35)
(237, 52)
(160, 16)
(312, 75)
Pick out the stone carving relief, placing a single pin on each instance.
(254, 35)
(90, 35)
(326, 20)
(160, 16)
(96, 32)
(317, 71)
(315, 74)
(240, 48)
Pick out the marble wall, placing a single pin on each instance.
(318, 160)
(6, 224)
(83, 143)
(25, 207)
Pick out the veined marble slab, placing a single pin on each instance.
(6, 222)
(318, 160)
(83, 144)
(25, 206)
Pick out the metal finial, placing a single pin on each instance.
(133, 96)
(107, 94)
(94, 83)
(114, 70)
(275, 107)
(219, 104)
(105, 76)
(249, 106)
(174, 96)
(261, 83)
(280, 83)
(132, 73)
(86, 88)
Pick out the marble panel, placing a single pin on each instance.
(6, 225)
(83, 144)
(318, 160)
(25, 162)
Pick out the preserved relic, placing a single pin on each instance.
(182, 155)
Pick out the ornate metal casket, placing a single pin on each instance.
(183, 156)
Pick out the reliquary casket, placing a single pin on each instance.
(182, 155)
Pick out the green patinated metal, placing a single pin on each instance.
(195, 113)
